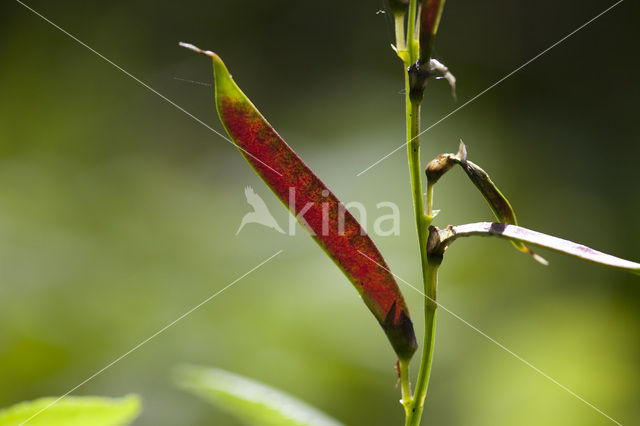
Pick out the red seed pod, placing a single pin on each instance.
(334, 229)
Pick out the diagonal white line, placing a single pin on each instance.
(492, 86)
(163, 329)
(147, 86)
(500, 345)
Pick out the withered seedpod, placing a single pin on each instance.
(497, 201)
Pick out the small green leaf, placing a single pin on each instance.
(250, 401)
(73, 411)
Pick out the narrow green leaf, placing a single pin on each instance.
(317, 209)
(442, 239)
(73, 411)
(250, 401)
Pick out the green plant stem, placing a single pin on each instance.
(429, 272)
(430, 305)
(414, 404)
(415, 171)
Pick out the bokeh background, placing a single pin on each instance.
(118, 212)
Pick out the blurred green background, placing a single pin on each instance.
(118, 212)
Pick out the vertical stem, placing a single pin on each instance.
(431, 283)
(414, 407)
(429, 272)
(415, 172)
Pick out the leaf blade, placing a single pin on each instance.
(249, 400)
(73, 411)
